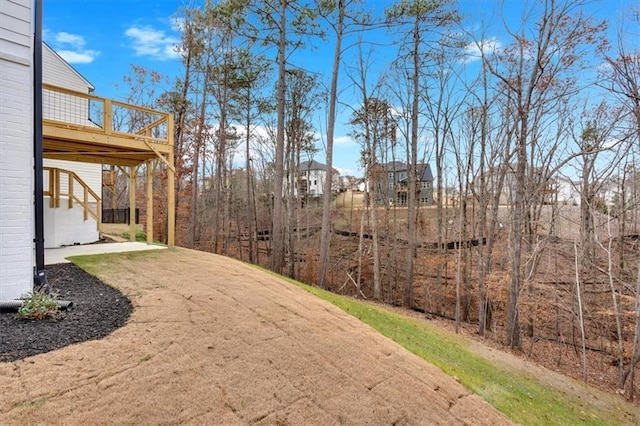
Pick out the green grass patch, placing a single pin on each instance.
(522, 399)
(141, 236)
(31, 404)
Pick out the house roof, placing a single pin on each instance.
(312, 165)
(423, 171)
(395, 166)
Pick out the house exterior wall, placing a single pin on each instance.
(60, 106)
(312, 178)
(90, 173)
(391, 183)
(315, 182)
(57, 72)
(16, 149)
(64, 226)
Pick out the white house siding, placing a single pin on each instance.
(90, 173)
(65, 226)
(315, 182)
(16, 149)
(59, 106)
(57, 72)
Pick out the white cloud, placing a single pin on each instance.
(71, 47)
(148, 41)
(473, 51)
(82, 57)
(74, 40)
(343, 140)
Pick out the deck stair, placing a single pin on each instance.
(73, 210)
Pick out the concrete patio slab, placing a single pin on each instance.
(60, 254)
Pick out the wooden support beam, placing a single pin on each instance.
(171, 190)
(133, 171)
(168, 163)
(85, 203)
(57, 180)
(124, 171)
(70, 191)
(108, 117)
(52, 189)
(151, 168)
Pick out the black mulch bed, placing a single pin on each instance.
(97, 311)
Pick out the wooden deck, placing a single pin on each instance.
(82, 127)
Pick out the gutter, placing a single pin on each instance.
(39, 278)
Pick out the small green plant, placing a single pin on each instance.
(141, 236)
(30, 404)
(38, 306)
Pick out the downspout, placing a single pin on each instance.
(40, 279)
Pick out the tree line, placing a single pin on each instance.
(518, 126)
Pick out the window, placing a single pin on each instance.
(391, 185)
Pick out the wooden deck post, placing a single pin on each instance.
(151, 167)
(58, 189)
(108, 116)
(171, 183)
(171, 201)
(133, 171)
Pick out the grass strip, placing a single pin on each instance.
(520, 398)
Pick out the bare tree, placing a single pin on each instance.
(535, 71)
(369, 129)
(339, 8)
(421, 16)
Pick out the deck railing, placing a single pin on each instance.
(61, 183)
(90, 113)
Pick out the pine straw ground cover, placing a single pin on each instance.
(215, 341)
(220, 318)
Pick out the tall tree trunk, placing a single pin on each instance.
(413, 162)
(194, 175)
(327, 192)
(250, 212)
(277, 232)
(519, 210)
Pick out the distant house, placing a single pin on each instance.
(501, 181)
(392, 183)
(568, 192)
(313, 175)
(346, 183)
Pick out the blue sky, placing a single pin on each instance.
(102, 38)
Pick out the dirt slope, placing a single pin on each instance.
(214, 341)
